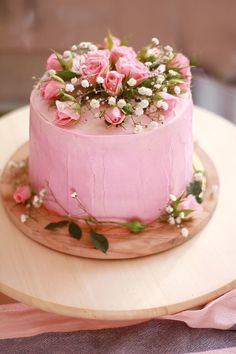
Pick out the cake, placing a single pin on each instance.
(111, 130)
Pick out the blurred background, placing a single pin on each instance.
(205, 30)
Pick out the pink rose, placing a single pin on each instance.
(133, 69)
(22, 194)
(181, 62)
(96, 64)
(122, 51)
(113, 82)
(170, 100)
(190, 203)
(115, 40)
(50, 89)
(53, 63)
(114, 116)
(65, 113)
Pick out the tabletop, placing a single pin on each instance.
(189, 275)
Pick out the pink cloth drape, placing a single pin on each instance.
(19, 320)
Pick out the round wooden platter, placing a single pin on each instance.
(158, 237)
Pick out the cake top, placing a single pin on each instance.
(112, 86)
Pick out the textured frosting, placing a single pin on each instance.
(117, 175)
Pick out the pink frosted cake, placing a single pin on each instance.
(111, 130)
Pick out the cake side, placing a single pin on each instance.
(116, 177)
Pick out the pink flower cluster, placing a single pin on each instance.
(110, 69)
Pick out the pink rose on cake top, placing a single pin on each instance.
(114, 125)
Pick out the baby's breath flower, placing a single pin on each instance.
(100, 80)
(69, 88)
(74, 80)
(138, 111)
(94, 103)
(155, 41)
(168, 48)
(143, 103)
(184, 232)
(85, 83)
(177, 90)
(161, 68)
(74, 47)
(169, 209)
(74, 195)
(148, 63)
(171, 220)
(172, 197)
(131, 82)
(111, 101)
(145, 91)
(121, 103)
(67, 54)
(24, 218)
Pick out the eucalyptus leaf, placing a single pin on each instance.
(75, 230)
(56, 225)
(100, 241)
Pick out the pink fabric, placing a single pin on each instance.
(19, 320)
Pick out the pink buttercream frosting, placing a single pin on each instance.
(116, 174)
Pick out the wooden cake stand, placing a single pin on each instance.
(135, 289)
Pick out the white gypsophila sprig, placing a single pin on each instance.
(145, 91)
(138, 129)
(95, 103)
(69, 88)
(132, 82)
(85, 83)
(112, 101)
(121, 103)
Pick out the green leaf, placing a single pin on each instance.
(65, 74)
(195, 188)
(57, 78)
(109, 40)
(148, 83)
(135, 226)
(186, 211)
(100, 242)
(56, 225)
(75, 230)
(127, 109)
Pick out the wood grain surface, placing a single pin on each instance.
(186, 276)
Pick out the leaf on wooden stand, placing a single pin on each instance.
(75, 230)
(56, 225)
(100, 241)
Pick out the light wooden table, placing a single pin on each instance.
(190, 275)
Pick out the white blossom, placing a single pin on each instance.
(145, 91)
(153, 125)
(67, 54)
(138, 129)
(24, 218)
(143, 103)
(100, 80)
(74, 47)
(161, 68)
(74, 80)
(182, 215)
(69, 88)
(121, 103)
(169, 209)
(112, 101)
(184, 232)
(94, 103)
(178, 220)
(171, 220)
(132, 82)
(168, 48)
(157, 86)
(165, 106)
(177, 90)
(148, 63)
(85, 83)
(37, 201)
(155, 41)
(74, 195)
(172, 72)
(160, 79)
(172, 197)
(138, 111)
(164, 89)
